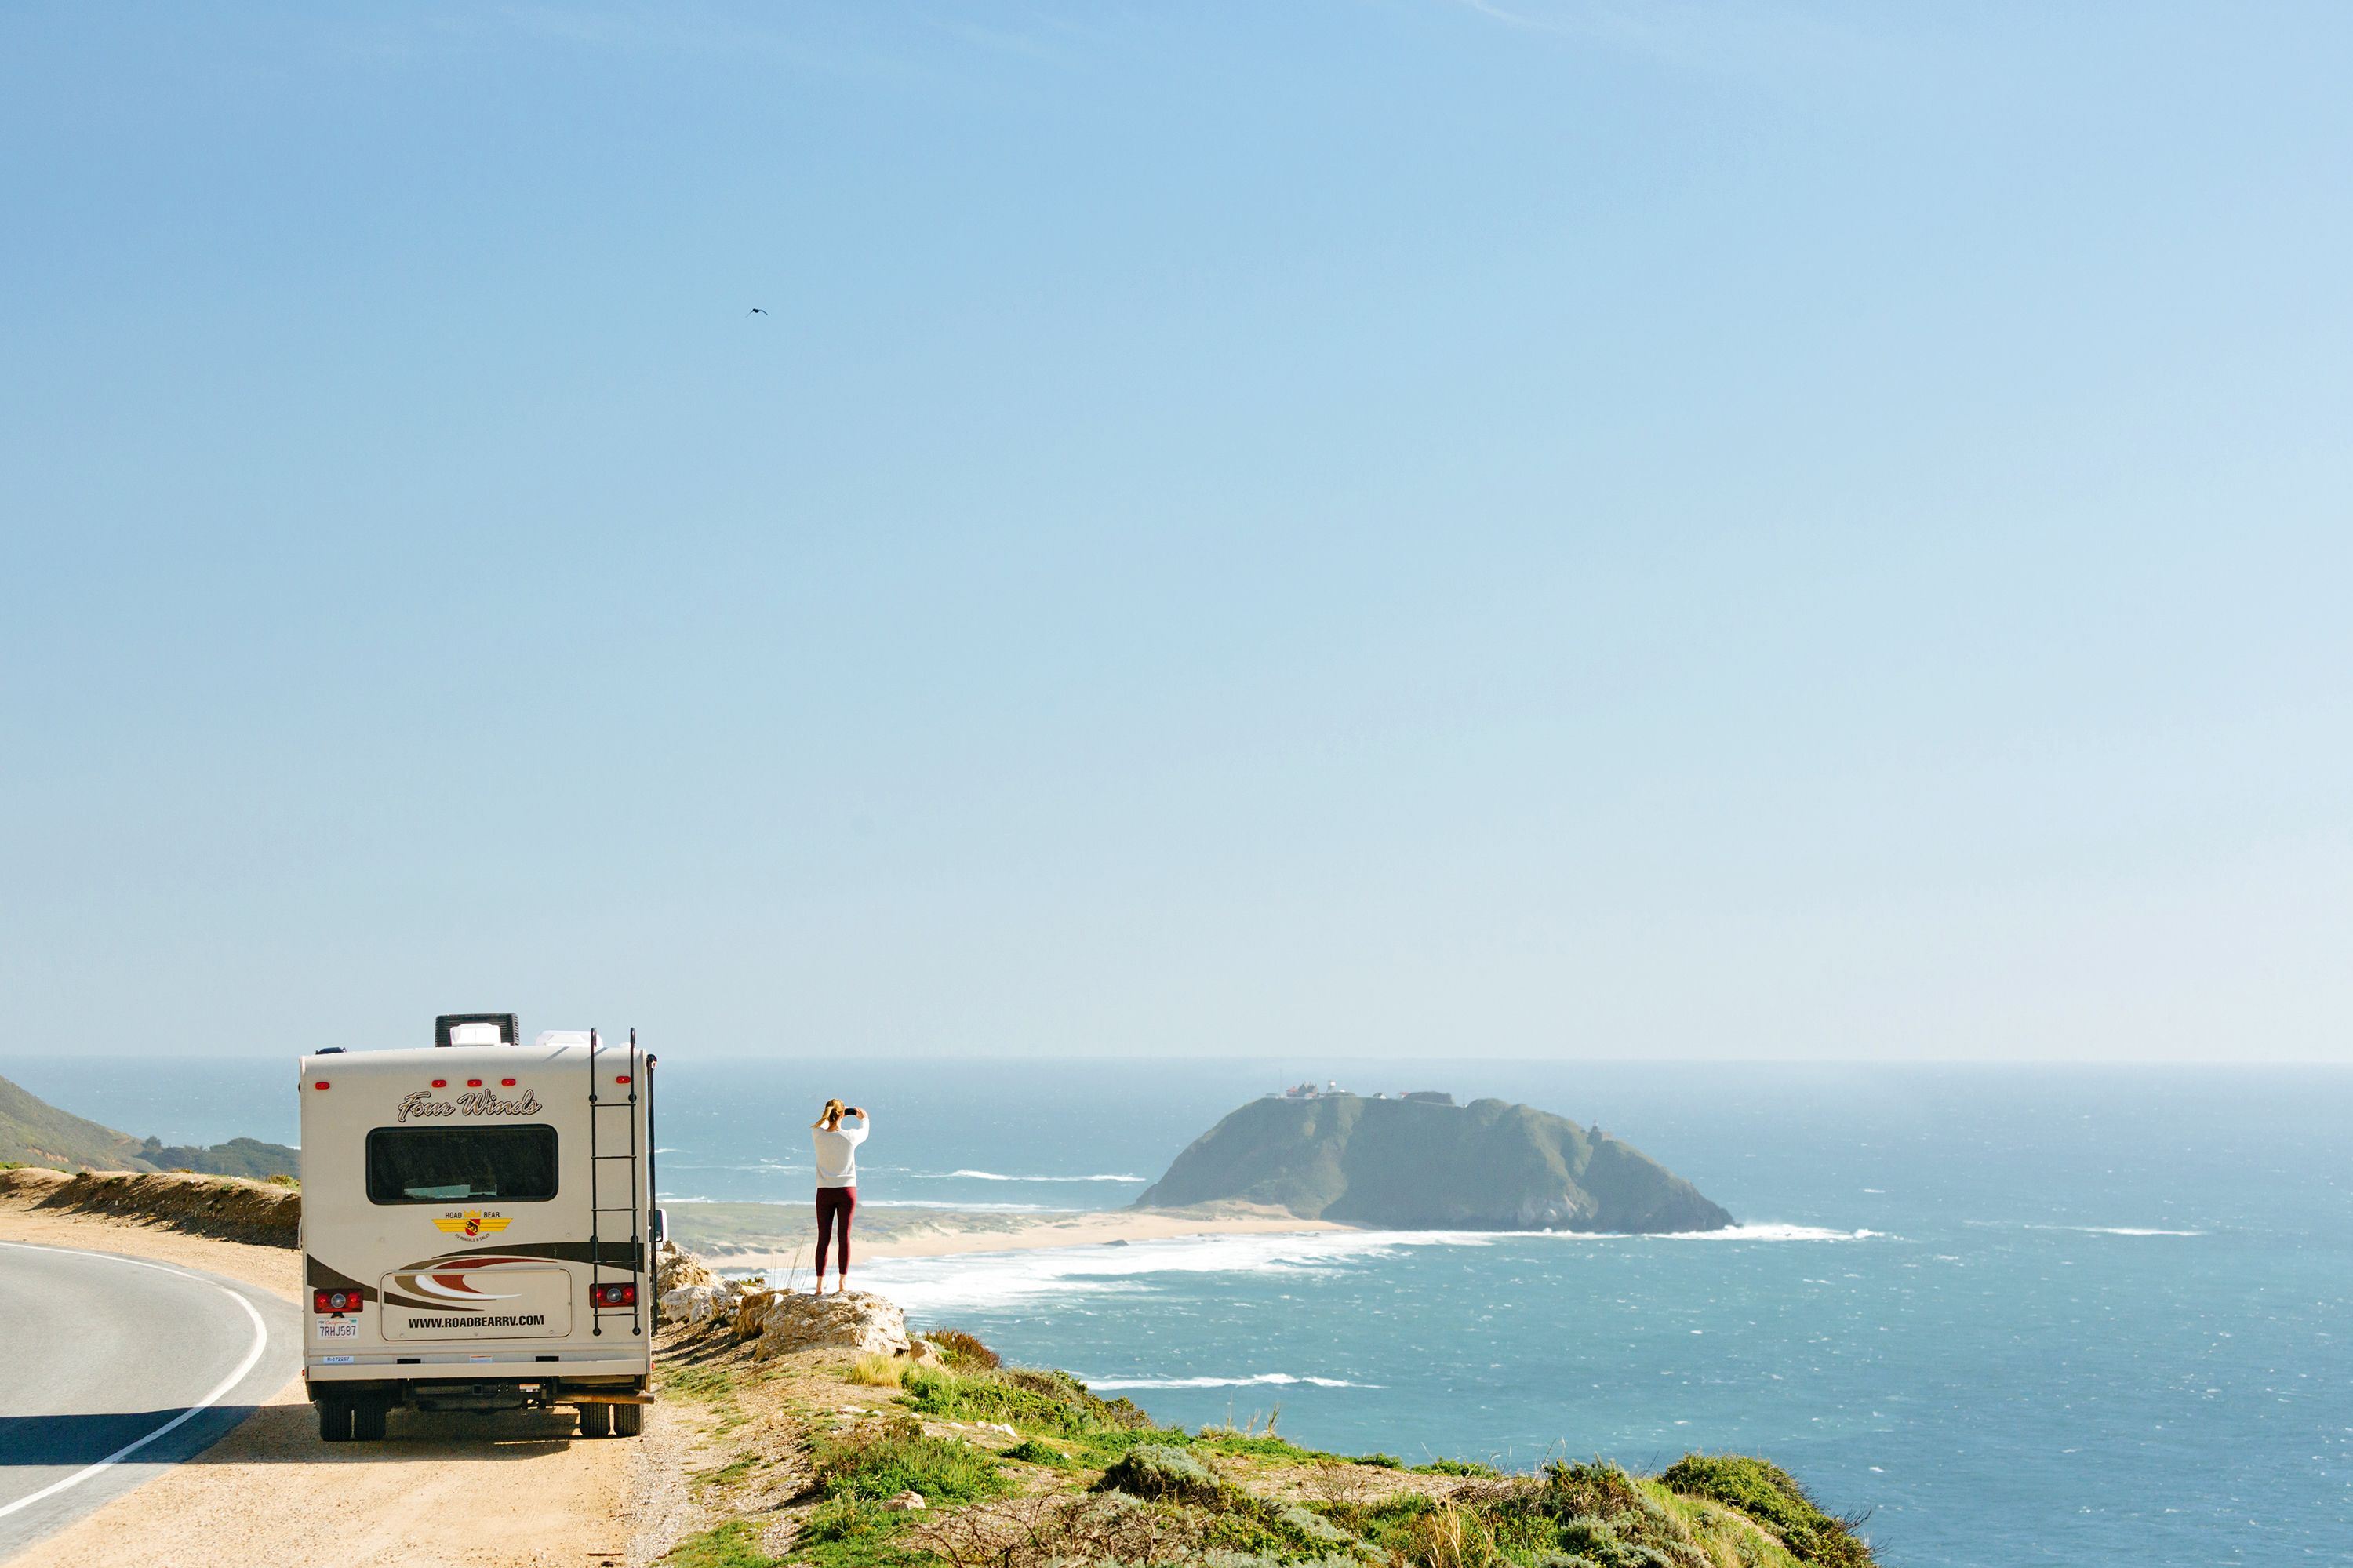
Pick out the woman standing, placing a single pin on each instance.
(837, 1183)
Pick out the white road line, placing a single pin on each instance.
(260, 1343)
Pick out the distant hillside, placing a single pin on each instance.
(237, 1157)
(34, 1132)
(1418, 1163)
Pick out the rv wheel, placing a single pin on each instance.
(629, 1420)
(367, 1423)
(596, 1420)
(334, 1421)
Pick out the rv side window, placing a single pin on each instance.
(458, 1164)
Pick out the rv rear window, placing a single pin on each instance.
(456, 1164)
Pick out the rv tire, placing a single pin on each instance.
(596, 1420)
(367, 1423)
(629, 1420)
(334, 1421)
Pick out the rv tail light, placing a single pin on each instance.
(614, 1295)
(319, 1085)
(622, 1077)
(336, 1301)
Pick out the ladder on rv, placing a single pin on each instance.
(599, 1108)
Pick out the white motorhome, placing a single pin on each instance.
(478, 1228)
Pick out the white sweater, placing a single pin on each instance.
(837, 1154)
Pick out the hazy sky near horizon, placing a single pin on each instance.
(1351, 529)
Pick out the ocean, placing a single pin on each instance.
(2072, 1316)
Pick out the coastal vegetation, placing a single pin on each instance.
(978, 1465)
(1424, 1161)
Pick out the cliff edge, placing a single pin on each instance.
(1421, 1163)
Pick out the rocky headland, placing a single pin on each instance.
(1423, 1162)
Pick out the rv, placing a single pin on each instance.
(478, 1228)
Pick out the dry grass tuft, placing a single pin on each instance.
(1449, 1536)
(875, 1369)
(1037, 1531)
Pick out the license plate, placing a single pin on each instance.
(338, 1330)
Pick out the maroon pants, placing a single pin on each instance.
(834, 1206)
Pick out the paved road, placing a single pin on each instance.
(112, 1368)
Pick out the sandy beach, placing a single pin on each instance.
(728, 1234)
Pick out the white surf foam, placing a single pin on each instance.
(1763, 1233)
(943, 1204)
(2114, 1231)
(1276, 1379)
(983, 1280)
(999, 1176)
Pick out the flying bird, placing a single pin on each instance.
(755, 310)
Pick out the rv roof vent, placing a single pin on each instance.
(562, 1037)
(331, 1050)
(476, 1029)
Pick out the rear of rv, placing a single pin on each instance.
(478, 1229)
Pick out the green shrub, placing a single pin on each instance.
(1158, 1473)
(964, 1352)
(1470, 1468)
(1381, 1461)
(1310, 1528)
(1596, 1511)
(1771, 1496)
(881, 1462)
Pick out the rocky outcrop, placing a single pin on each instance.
(852, 1320)
(675, 1268)
(688, 1291)
(1421, 1163)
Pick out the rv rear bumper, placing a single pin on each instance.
(583, 1367)
(479, 1393)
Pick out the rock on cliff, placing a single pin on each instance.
(1397, 1164)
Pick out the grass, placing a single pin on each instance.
(897, 1458)
(1052, 1402)
(1031, 1451)
(734, 1544)
(725, 1475)
(1767, 1493)
(703, 1383)
(1470, 1468)
(853, 1532)
(875, 1369)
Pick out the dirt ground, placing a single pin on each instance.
(514, 1491)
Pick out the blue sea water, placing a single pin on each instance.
(2070, 1316)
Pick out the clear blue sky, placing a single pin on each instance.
(1397, 528)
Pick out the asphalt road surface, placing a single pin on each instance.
(112, 1368)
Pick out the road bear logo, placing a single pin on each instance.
(473, 1222)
